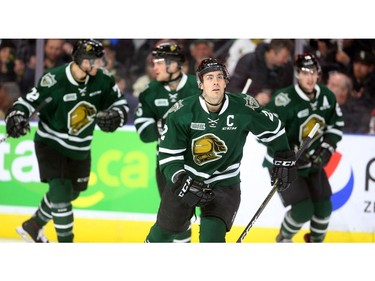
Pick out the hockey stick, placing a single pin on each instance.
(247, 86)
(37, 109)
(274, 187)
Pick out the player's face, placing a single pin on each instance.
(213, 85)
(91, 66)
(162, 71)
(307, 79)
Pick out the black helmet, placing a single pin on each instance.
(306, 61)
(209, 65)
(87, 49)
(169, 51)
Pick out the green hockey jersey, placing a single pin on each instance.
(67, 123)
(155, 101)
(299, 114)
(209, 146)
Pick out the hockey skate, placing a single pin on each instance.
(282, 239)
(31, 232)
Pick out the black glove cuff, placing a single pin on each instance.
(284, 159)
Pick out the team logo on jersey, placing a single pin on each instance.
(173, 97)
(251, 102)
(161, 102)
(282, 99)
(48, 80)
(207, 148)
(212, 123)
(306, 127)
(82, 91)
(314, 105)
(80, 117)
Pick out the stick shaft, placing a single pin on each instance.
(247, 86)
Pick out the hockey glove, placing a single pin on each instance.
(17, 124)
(109, 120)
(192, 192)
(284, 170)
(323, 154)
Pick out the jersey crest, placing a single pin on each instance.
(282, 99)
(173, 97)
(48, 80)
(207, 148)
(80, 117)
(307, 126)
(251, 102)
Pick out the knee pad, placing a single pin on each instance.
(302, 211)
(212, 229)
(323, 208)
(60, 190)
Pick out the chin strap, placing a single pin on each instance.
(213, 104)
(173, 80)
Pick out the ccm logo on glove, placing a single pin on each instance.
(185, 187)
(284, 163)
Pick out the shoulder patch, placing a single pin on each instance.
(48, 80)
(251, 102)
(282, 99)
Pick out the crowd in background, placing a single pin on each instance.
(347, 68)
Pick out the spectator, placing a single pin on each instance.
(53, 53)
(363, 77)
(269, 67)
(9, 92)
(355, 112)
(200, 49)
(113, 65)
(330, 56)
(7, 61)
(238, 49)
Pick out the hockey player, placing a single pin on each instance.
(170, 85)
(299, 107)
(83, 94)
(200, 155)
